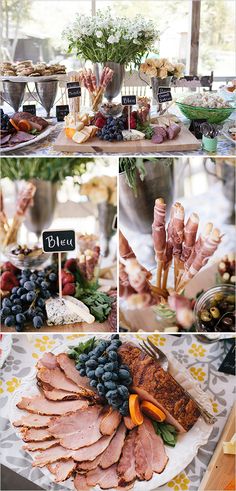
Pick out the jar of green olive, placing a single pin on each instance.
(215, 310)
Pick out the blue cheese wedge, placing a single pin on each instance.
(67, 310)
(132, 135)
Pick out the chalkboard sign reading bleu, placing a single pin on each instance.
(128, 100)
(74, 89)
(164, 94)
(58, 240)
(30, 108)
(62, 111)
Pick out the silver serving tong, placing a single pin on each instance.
(152, 350)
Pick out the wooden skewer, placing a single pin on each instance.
(165, 277)
(159, 273)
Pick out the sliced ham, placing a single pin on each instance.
(40, 405)
(92, 464)
(110, 422)
(48, 360)
(33, 421)
(143, 454)
(62, 470)
(4, 138)
(33, 446)
(56, 378)
(155, 385)
(51, 455)
(35, 434)
(80, 483)
(106, 478)
(113, 452)
(20, 137)
(78, 429)
(41, 123)
(126, 466)
(91, 452)
(68, 366)
(129, 423)
(60, 395)
(153, 451)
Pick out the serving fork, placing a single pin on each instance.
(152, 350)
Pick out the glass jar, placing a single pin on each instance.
(204, 303)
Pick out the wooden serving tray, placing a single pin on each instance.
(80, 327)
(221, 469)
(185, 141)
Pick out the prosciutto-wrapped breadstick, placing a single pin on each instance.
(4, 225)
(190, 234)
(177, 236)
(138, 276)
(125, 288)
(202, 237)
(159, 235)
(25, 200)
(125, 250)
(88, 79)
(206, 250)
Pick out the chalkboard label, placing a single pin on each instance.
(164, 94)
(128, 100)
(74, 89)
(58, 240)
(30, 108)
(62, 111)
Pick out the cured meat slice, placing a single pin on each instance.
(91, 452)
(60, 395)
(113, 452)
(110, 422)
(20, 137)
(80, 483)
(106, 478)
(68, 366)
(51, 455)
(57, 379)
(30, 117)
(129, 423)
(126, 465)
(173, 130)
(48, 360)
(62, 470)
(33, 446)
(153, 384)
(35, 434)
(157, 458)
(78, 429)
(40, 405)
(89, 465)
(33, 421)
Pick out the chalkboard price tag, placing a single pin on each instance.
(128, 100)
(164, 94)
(74, 89)
(62, 111)
(58, 240)
(30, 108)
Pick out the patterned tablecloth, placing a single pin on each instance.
(202, 361)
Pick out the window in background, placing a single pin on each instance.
(217, 38)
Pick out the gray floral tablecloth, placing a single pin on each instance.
(202, 361)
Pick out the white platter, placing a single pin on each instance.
(225, 130)
(5, 348)
(45, 78)
(179, 457)
(39, 137)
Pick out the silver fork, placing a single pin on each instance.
(152, 350)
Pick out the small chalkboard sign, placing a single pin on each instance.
(74, 89)
(164, 94)
(30, 108)
(62, 111)
(128, 100)
(58, 240)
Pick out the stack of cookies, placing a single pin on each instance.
(26, 68)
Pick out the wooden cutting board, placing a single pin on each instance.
(185, 141)
(80, 327)
(221, 469)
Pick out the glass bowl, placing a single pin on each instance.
(34, 260)
(212, 115)
(113, 109)
(204, 303)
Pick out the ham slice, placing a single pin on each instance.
(91, 452)
(33, 446)
(149, 452)
(80, 483)
(78, 429)
(113, 452)
(68, 366)
(154, 384)
(57, 379)
(62, 470)
(40, 122)
(35, 434)
(60, 395)
(110, 422)
(129, 423)
(48, 360)
(92, 464)
(126, 466)
(33, 421)
(51, 455)
(40, 405)
(106, 478)
(20, 137)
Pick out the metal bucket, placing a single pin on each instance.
(13, 93)
(47, 91)
(106, 214)
(136, 213)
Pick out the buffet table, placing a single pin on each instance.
(201, 359)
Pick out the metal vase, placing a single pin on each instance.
(157, 82)
(136, 213)
(47, 91)
(40, 215)
(13, 93)
(106, 214)
(114, 87)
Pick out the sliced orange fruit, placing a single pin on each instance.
(134, 409)
(24, 125)
(70, 132)
(152, 411)
(14, 124)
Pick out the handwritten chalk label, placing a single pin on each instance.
(62, 111)
(128, 100)
(74, 89)
(30, 108)
(164, 94)
(58, 240)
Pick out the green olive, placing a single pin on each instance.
(215, 312)
(205, 316)
(213, 303)
(218, 297)
(230, 299)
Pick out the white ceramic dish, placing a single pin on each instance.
(39, 137)
(179, 457)
(5, 348)
(225, 131)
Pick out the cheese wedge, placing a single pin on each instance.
(230, 447)
(62, 311)
(79, 308)
(132, 135)
(80, 136)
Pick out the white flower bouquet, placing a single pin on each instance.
(104, 38)
(162, 68)
(100, 189)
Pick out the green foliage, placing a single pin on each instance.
(99, 303)
(132, 166)
(86, 347)
(167, 432)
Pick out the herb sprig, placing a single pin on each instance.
(86, 347)
(167, 432)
